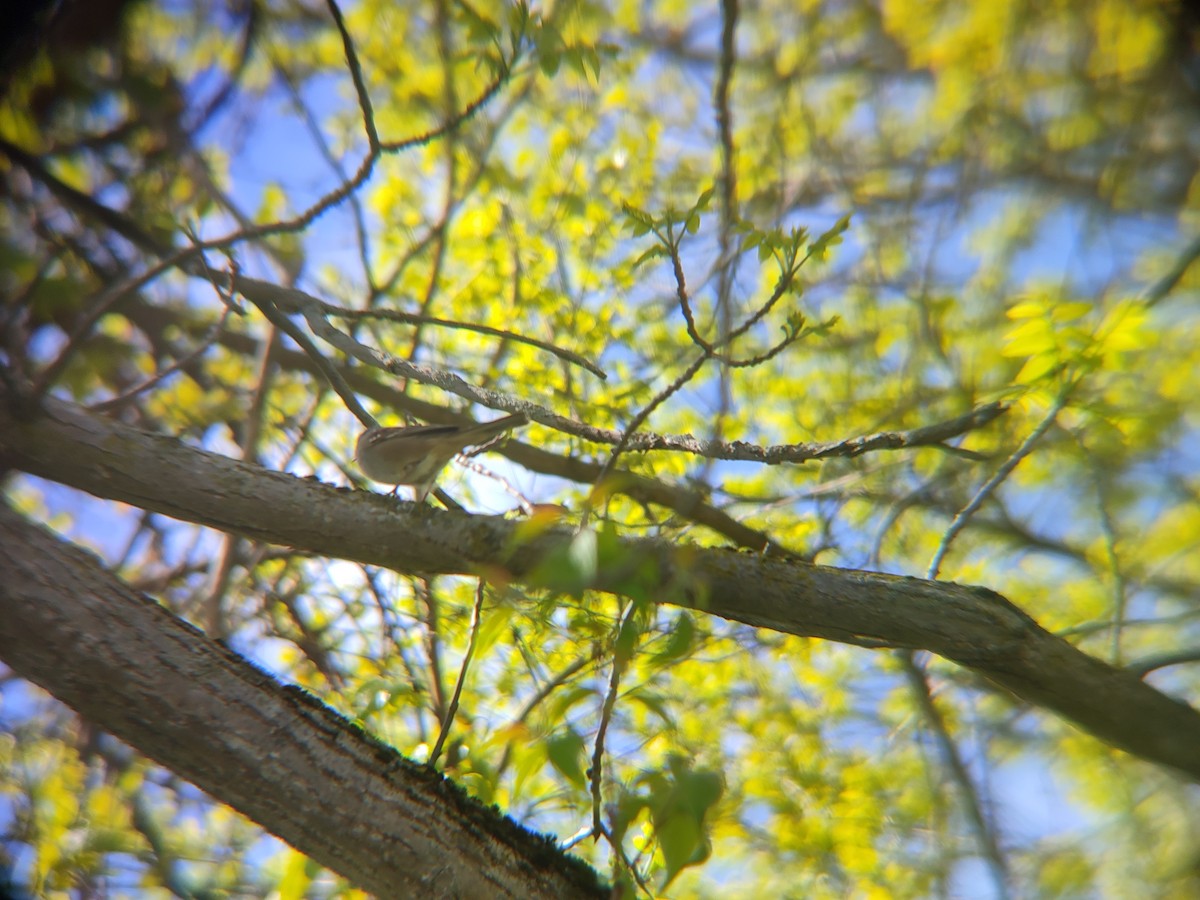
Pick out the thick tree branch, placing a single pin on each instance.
(970, 625)
(274, 753)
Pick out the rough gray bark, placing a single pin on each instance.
(276, 754)
(970, 625)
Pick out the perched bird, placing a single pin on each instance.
(415, 454)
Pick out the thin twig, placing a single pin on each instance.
(964, 516)
(595, 774)
(677, 385)
(984, 833)
(1174, 275)
(728, 179)
(332, 375)
(356, 75)
(554, 683)
(1144, 667)
(394, 315)
(106, 406)
(452, 709)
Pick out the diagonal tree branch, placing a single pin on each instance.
(972, 626)
(352, 803)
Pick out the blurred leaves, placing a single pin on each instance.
(962, 201)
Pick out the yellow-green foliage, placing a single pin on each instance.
(991, 194)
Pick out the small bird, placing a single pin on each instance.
(415, 454)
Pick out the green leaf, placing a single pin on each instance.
(679, 804)
(565, 702)
(550, 48)
(658, 251)
(683, 843)
(480, 30)
(627, 640)
(1030, 337)
(571, 568)
(680, 641)
(567, 753)
(583, 554)
(656, 704)
(637, 220)
(830, 238)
